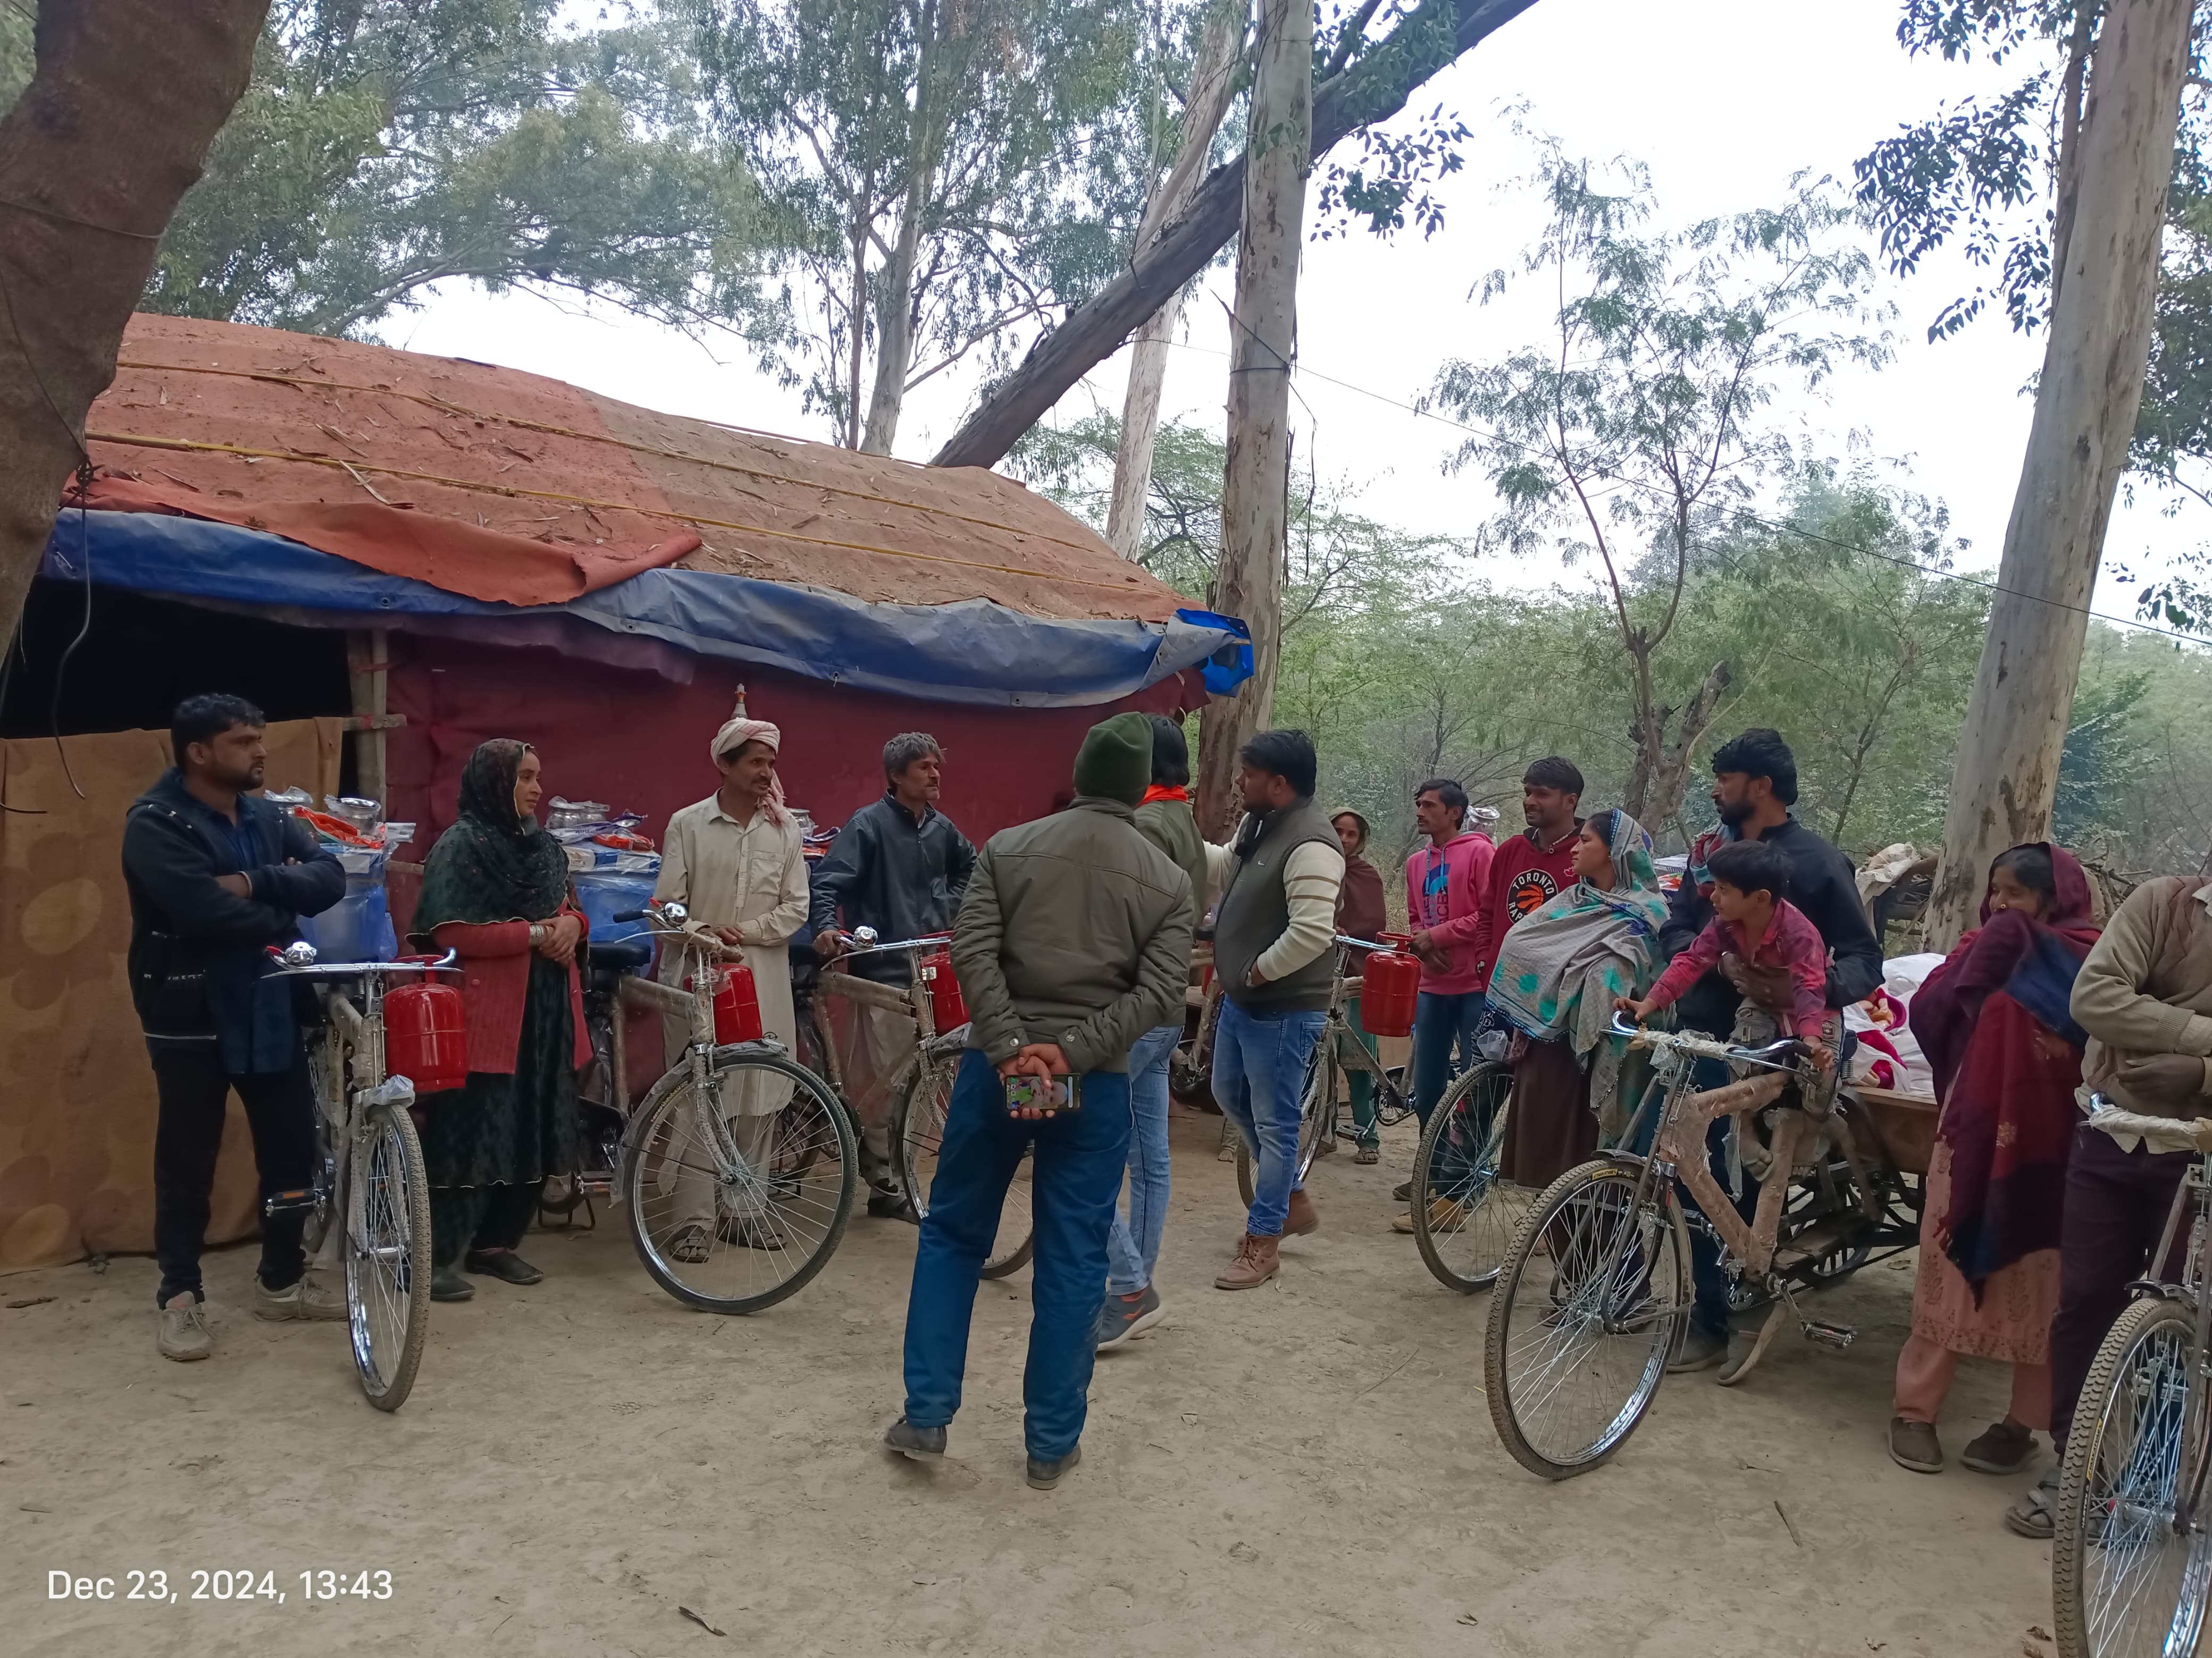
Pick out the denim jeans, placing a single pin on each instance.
(1442, 1023)
(1260, 1063)
(1074, 1182)
(1133, 1246)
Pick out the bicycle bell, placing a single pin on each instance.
(673, 913)
(865, 937)
(298, 953)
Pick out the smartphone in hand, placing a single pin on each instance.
(1026, 1091)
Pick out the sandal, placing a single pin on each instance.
(689, 1245)
(2036, 1514)
(2003, 1448)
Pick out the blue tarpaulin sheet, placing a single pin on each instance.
(972, 650)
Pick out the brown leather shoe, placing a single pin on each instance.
(1254, 1264)
(1303, 1217)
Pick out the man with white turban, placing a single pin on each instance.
(736, 861)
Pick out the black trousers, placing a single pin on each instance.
(280, 1109)
(2117, 1203)
(464, 1218)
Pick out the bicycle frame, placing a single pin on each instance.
(1341, 1046)
(914, 1001)
(701, 952)
(2195, 1291)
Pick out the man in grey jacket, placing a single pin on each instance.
(1072, 940)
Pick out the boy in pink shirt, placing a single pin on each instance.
(1752, 919)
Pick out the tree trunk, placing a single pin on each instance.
(1370, 92)
(2006, 776)
(1205, 101)
(1661, 769)
(1248, 581)
(894, 292)
(126, 96)
(895, 319)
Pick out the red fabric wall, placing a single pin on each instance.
(639, 742)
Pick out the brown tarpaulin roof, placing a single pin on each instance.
(511, 487)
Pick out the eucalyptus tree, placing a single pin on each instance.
(944, 175)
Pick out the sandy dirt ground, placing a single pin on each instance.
(1308, 1468)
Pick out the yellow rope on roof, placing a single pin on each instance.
(191, 445)
(431, 401)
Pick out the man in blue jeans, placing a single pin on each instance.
(1072, 939)
(1133, 1301)
(1273, 948)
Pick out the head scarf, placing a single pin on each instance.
(494, 865)
(2008, 1089)
(737, 731)
(1366, 829)
(1559, 967)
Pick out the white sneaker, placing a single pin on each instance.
(309, 1298)
(185, 1328)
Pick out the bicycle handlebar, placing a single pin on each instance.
(306, 967)
(1773, 1055)
(873, 947)
(2171, 1133)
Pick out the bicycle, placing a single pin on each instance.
(923, 1097)
(368, 1166)
(2131, 1548)
(732, 1210)
(1463, 1219)
(1595, 1294)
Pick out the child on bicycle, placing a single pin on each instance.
(1752, 918)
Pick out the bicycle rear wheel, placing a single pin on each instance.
(1316, 1105)
(734, 1222)
(917, 1132)
(1585, 1314)
(387, 1258)
(1464, 1221)
(2125, 1582)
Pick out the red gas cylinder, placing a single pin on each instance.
(947, 1007)
(426, 1037)
(737, 1005)
(1390, 988)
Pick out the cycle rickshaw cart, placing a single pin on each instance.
(1594, 1298)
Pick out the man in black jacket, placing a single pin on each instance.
(215, 876)
(1754, 785)
(899, 866)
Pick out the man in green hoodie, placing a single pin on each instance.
(1073, 938)
(1132, 1302)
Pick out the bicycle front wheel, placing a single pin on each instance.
(1316, 1105)
(387, 1258)
(1584, 1318)
(2125, 1581)
(732, 1215)
(1464, 1221)
(917, 1130)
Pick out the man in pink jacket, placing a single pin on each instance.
(1444, 883)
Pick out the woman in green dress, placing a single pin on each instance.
(495, 889)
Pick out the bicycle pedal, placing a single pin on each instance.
(1836, 1336)
(283, 1203)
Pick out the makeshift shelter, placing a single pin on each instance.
(431, 551)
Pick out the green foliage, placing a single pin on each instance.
(1633, 437)
(1980, 176)
(1015, 130)
(383, 146)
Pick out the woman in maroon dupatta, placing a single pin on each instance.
(1993, 1021)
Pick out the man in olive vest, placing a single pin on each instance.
(1274, 939)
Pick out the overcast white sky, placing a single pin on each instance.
(1723, 99)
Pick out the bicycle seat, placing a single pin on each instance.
(632, 954)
